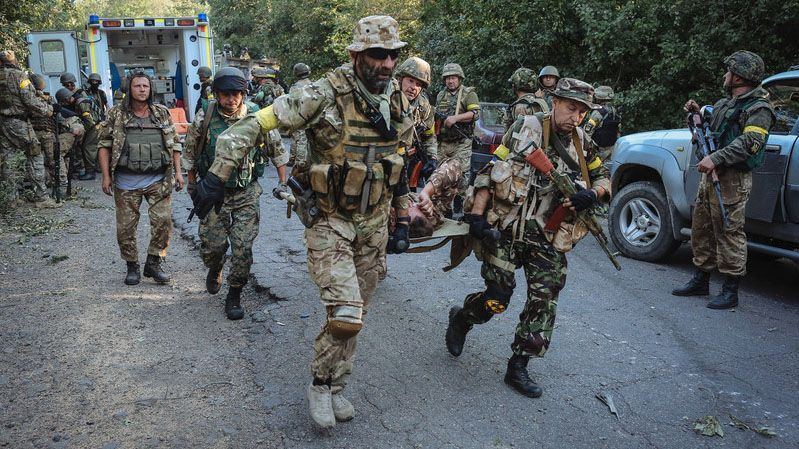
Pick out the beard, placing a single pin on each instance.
(371, 77)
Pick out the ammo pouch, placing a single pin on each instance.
(353, 185)
(321, 177)
(392, 167)
(567, 235)
(144, 150)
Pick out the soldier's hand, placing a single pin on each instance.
(479, 227)
(280, 191)
(706, 165)
(425, 204)
(691, 106)
(450, 121)
(581, 200)
(107, 185)
(210, 194)
(179, 181)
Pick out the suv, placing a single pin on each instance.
(488, 131)
(655, 179)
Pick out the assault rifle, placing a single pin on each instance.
(539, 160)
(417, 158)
(440, 117)
(705, 146)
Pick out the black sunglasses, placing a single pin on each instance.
(382, 53)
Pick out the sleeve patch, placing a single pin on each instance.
(596, 163)
(502, 152)
(25, 83)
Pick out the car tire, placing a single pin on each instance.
(639, 222)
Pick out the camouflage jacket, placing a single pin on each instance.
(447, 104)
(18, 96)
(42, 122)
(267, 93)
(527, 104)
(754, 124)
(300, 84)
(445, 180)
(314, 108)
(70, 125)
(424, 125)
(271, 147)
(111, 133)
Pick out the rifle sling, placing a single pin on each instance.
(566, 157)
(200, 148)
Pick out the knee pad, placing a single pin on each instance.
(345, 322)
(496, 299)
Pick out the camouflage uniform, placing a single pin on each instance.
(45, 133)
(453, 144)
(345, 243)
(89, 145)
(238, 220)
(68, 126)
(267, 92)
(445, 180)
(546, 92)
(602, 125)
(299, 141)
(18, 101)
(523, 81)
(112, 135)
(522, 202)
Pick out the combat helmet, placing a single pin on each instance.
(376, 32)
(746, 64)
(204, 71)
(229, 79)
(301, 70)
(604, 93)
(68, 78)
(39, 82)
(523, 80)
(262, 72)
(549, 70)
(452, 69)
(63, 95)
(415, 68)
(95, 77)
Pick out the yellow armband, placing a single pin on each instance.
(595, 164)
(502, 152)
(755, 129)
(25, 83)
(267, 118)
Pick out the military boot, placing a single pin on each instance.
(213, 280)
(342, 408)
(456, 331)
(518, 378)
(699, 285)
(728, 297)
(88, 176)
(152, 269)
(233, 309)
(133, 277)
(320, 404)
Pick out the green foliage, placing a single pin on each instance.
(20, 17)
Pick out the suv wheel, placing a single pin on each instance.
(639, 222)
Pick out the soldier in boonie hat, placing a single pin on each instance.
(574, 89)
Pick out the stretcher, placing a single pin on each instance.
(456, 232)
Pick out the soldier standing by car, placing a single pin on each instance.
(523, 83)
(740, 124)
(461, 107)
(603, 125)
(414, 77)
(235, 225)
(299, 141)
(548, 79)
(140, 159)
(521, 202)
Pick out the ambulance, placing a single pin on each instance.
(169, 49)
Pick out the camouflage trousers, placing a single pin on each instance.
(128, 204)
(545, 271)
(47, 144)
(16, 136)
(89, 149)
(235, 226)
(345, 260)
(65, 141)
(714, 247)
(462, 151)
(299, 146)
(36, 174)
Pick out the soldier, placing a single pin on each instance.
(70, 131)
(237, 222)
(519, 202)
(430, 206)
(299, 141)
(140, 159)
(524, 85)
(414, 77)
(461, 107)
(83, 105)
(357, 116)
(268, 89)
(740, 124)
(548, 79)
(18, 102)
(602, 125)
(44, 127)
(98, 97)
(206, 92)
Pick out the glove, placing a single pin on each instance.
(191, 187)
(479, 227)
(583, 199)
(280, 189)
(398, 242)
(429, 167)
(209, 194)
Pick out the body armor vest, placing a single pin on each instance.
(528, 99)
(449, 106)
(353, 169)
(251, 167)
(145, 150)
(10, 103)
(96, 105)
(727, 124)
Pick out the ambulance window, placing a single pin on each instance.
(53, 58)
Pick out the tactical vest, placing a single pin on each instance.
(727, 123)
(252, 165)
(449, 106)
(145, 149)
(608, 131)
(529, 100)
(352, 170)
(10, 103)
(82, 102)
(96, 104)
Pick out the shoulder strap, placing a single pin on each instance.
(458, 102)
(209, 114)
(564, 154)
(578, 144)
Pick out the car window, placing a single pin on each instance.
(492, 115)
(785, 101)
